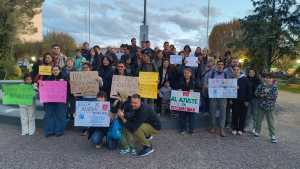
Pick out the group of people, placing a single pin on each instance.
(139, 117)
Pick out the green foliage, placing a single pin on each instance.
(15, 17)
(37, 49)
(223, 36)
(67, 42)
(272, 31)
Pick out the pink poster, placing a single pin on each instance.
(53, 91)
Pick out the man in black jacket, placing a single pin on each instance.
(143, 123)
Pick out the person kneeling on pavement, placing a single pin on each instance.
(143, 124)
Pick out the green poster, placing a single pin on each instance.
(21, 94)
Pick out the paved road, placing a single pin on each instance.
(202, 150)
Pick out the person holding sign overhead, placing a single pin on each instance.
(47, 62)
(55, 113)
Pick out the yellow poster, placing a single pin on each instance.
(45, 70)
(148, 90)
(148, 77)
(148, 84)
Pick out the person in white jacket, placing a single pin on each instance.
(27, 112)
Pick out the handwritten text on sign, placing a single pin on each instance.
(84, 83)
(148, 84)
(53, 91)
(45, 70)
(124, 83)
(185, 101)
(92, 114)
(222, 88)
(21, 94)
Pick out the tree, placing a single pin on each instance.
(37, 49)
(15, 17)
(67, 42)
(223, 36)
(271, 32)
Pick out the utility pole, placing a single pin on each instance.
(144, 29)
(208, 20)
(89, 21)
(145, 12)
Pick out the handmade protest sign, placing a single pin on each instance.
(84, 83)
(45, 70)
(21, 94)
(53, 91)
(176, 59)
(148, 84)
(192, 61)
(128, 84)
(92, 114)
(185, 101)
(222, 88)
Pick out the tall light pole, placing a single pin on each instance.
(208, 20)
(144, 29)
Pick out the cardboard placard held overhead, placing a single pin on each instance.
(84, 83)
(128, 84)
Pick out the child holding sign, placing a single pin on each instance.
(188, 85)
(27, 112)
(96, 134)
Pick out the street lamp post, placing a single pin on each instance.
(144, 29)
(208, 20)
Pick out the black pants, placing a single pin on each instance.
(239, 114)
(184, 119)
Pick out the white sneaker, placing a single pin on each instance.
(274, 139)
(240, 133)
(256, 134)
(234, 132)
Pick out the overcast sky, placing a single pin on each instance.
(116, 21)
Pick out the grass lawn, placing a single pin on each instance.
(289, 88)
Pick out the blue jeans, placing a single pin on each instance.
(55, 118)
(252, 114)
(214, 106)
(97, 137)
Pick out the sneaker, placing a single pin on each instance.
(240, 133)
(98, 146)
(149, 138)
(125, 151)
(256, 134)
(253, 131)
(191, 132)
(133, 151)
(84, 133)
(182, 132)
(234, 132)
(274, 139)
(145, 151)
